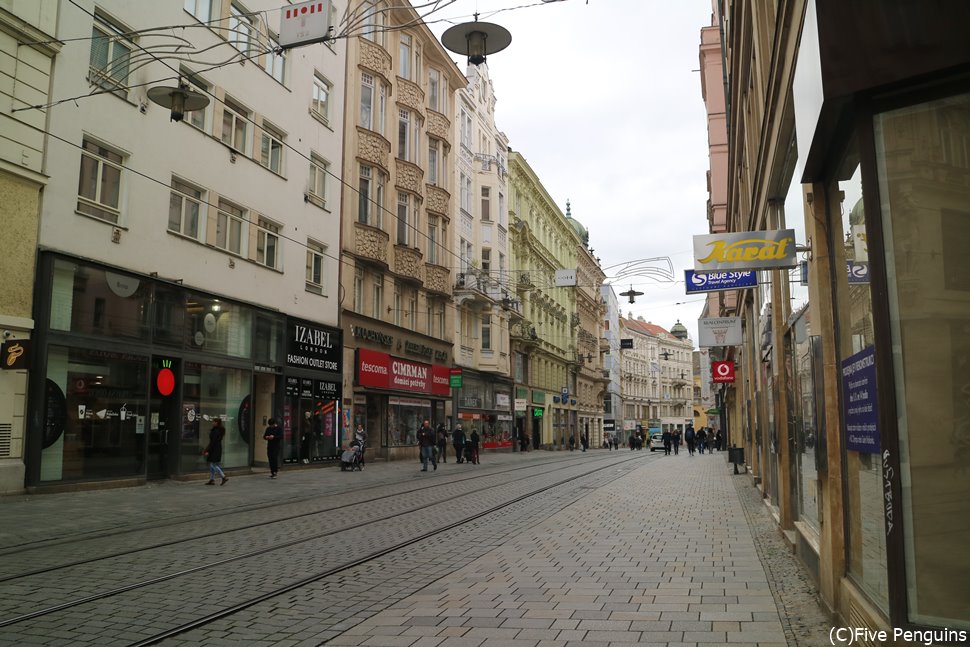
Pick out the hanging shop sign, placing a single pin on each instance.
(304, 23)
(718, 281)
(860, 409)
(16, 354)
(382, 371)
(718, 331)
(722, 372)
(626, 343)
(745, 250)
(566, 278)
(521, 404)
(454, 378)
(312, 345)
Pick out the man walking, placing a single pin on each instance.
(458, 442)
(426, 440)
(689, 439)
(667, 441)
(442, 434)
(274, 440)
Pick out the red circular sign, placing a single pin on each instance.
(165, 381)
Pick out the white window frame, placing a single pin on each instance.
(465, 193)
(358, 290)
(96, 206)
(433, 252)
(397, 304)
(228, 221)
(486, 335)
(466, 129)
(201, 9)
(434, 90)
(114, 72)
(238, 116)
(370, 203)
(320, 98)
(404, 134)
(317, 183)
(271, 141)
(403, 218)
(241, 28)
(413, 309)
(378, 297)
(486, 261)
(274, 61)
(405, 53)
(268, 243)
(486, 214)
(316, 277)
(374, 27)
(196, 118)
(434, 146)
(180, 195)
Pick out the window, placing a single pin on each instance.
(375, 22)
(464, 255)
(110, 55)
(234, 122)
(201, 9)
(413, 309)
(502, 214)
(403, 218)
(378, 296)
(404, 134)
(274, 62)
(320, 104)
(434, 90)
(315, 253)
(466, 129)
(371, 197)
(185, 209)
(397, 304)
(486, 203)
(368, 118)
(465, 189)
(240, 29)
(433, 240)
(317, 185)
(195, 117)
(501, 266)
(433, 147)
(229, 226)
(271, 149)
(486, 332)
(99, 187)
(405, 56)
(486, 261)
(358, 290)
(267, 243)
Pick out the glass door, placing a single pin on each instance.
(163, 418)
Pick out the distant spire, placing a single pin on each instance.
(569, 213)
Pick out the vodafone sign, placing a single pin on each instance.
(722, 371)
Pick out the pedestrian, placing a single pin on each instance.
(584, 440)
(360, 440)
(274, 440)
(667, 439)
(615, 441)
(675, 440)
(473, 442)
(442, 434)
(523, 441)
(458, 442)
(718, 439)
(689, 439)
(700, 438)
(426, 440)
(572, 442)
(213, 452)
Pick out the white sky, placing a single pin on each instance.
(602, 99)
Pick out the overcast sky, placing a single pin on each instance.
(604, 101)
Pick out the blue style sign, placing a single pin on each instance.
(718, 281)
(859, 402)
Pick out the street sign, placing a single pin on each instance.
(454, 378)
(626, 343)
(565, 393)
(722, 372)
(307, 22)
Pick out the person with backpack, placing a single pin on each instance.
(689, 439)
(473, 443)
(442, 434)
(458, 442)
(701, 439)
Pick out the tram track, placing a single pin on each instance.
(271, 506)
(262, 551)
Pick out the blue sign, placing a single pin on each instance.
(859, 402)
(718, 281)
(858, 272)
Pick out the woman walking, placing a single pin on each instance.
(213, 452)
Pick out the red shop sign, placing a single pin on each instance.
(382, 371)
(440, 384)
(722, 371)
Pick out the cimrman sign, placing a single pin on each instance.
(746, 250)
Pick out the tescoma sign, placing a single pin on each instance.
(745, 250)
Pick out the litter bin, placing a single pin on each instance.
(736, 456)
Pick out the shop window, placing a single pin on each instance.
(210, 392)
(270, 333)
(92, 301)
(404, 417)
(168, 316)
(96, 413)
(218, 326)
(922, 159)
(866, 531)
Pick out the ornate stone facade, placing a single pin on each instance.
(370, 242)
(373, 148)
(438, 200)
(409, 177)
(437, 278)
(407, 262)
(374, 57)
(410, 95)
(438, 125)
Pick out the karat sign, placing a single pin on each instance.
(746, 250)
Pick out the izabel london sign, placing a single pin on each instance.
(382, 371)
(310, 345)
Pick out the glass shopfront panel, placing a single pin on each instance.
(806, 421)
(92, 301)
(95, 413)
(217, 326)
(865, 523)
(404, 417)
(210, 392)
(923, 159)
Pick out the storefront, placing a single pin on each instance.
(394, 395)
(130, 372)
(485, 406)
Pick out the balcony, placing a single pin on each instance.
(409, 176)
(410, 94)
(438, 126)
(436, 279)
(438, 200)
(375, 57)
(408, 263)
(370, 243)
(470, 286)
(373, 148)
(524, 335)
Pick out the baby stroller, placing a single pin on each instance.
(471, 453)
(353, 458)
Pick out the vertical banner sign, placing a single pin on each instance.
(860, 410)
(707, 394)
